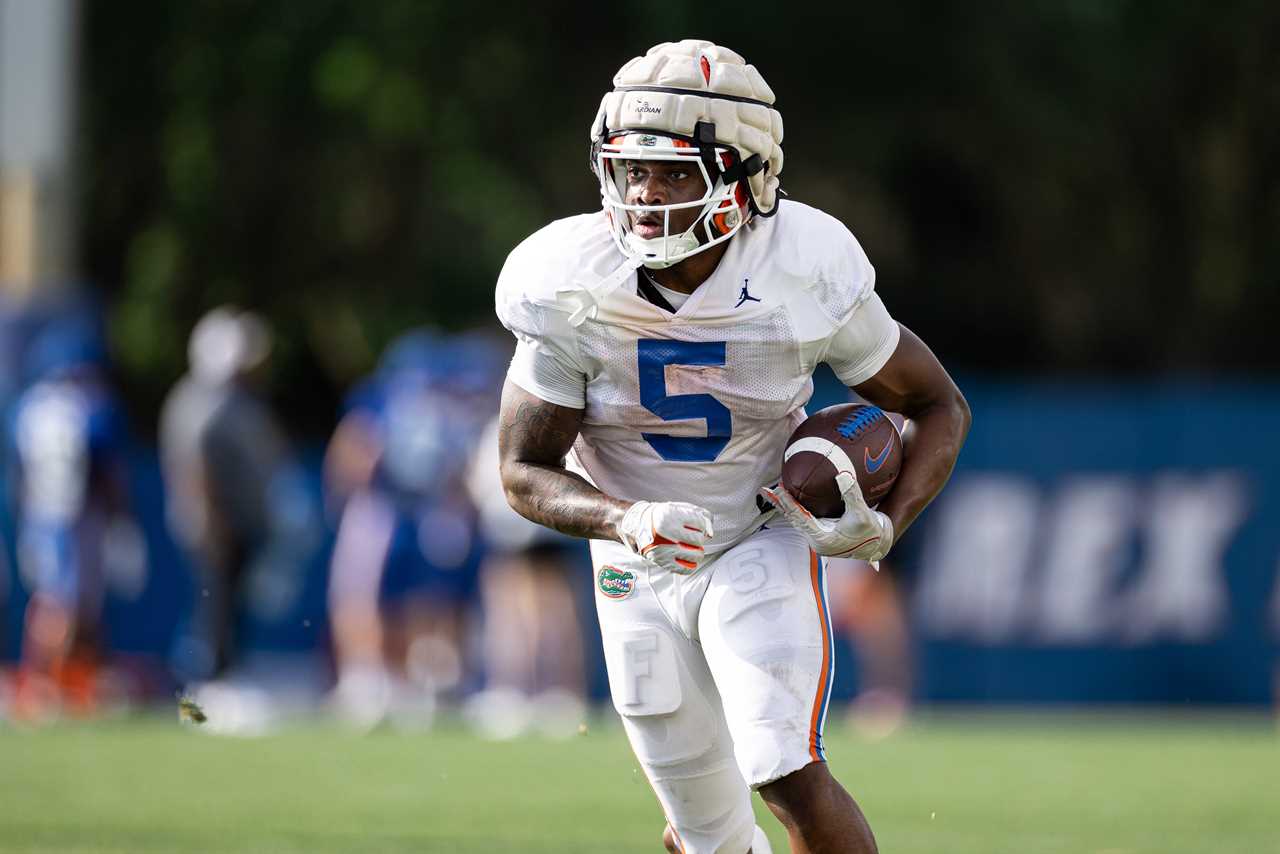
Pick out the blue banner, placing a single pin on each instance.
(1109, 543)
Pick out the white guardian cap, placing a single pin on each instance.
(695, 102)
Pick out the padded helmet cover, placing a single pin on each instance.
(677, 85)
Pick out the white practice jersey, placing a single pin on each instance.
(694, 405)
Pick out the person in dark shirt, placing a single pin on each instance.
(224, 458)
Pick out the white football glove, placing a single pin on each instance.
(669, 533)
(860, 533)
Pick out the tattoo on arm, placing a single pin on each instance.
(534, 438)
(538, 431)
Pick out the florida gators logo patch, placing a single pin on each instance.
(615, 583)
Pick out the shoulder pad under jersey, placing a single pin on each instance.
(820, 251)
(548, 266)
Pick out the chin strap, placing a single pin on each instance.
(588, 297)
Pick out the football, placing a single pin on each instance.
(846, 437)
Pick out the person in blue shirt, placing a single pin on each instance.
(69, 462)
(403, 575)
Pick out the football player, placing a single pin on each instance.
(665, 347)
(70, 448)
(406, 556)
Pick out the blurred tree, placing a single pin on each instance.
(1046, 186)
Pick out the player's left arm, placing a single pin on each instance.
(914, 383)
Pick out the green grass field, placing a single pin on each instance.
(984, 784)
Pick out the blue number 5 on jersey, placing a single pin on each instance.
(654, 354)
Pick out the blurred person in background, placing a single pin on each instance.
(229, 476)
(69, 475)
(868, 607)
(533, 640)
(10, 385)
(404, 572)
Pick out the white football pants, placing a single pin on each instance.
(722, 678)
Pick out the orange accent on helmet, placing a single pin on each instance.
(681, 143)
(719, 220)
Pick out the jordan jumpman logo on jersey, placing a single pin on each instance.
(744, 296)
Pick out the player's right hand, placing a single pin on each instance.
(668, 533)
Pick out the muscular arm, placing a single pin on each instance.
(915, 384)
(533, 440)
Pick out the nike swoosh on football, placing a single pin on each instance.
(873, 464)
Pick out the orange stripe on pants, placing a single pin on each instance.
(815, 576)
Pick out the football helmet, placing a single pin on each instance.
(696, 101)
